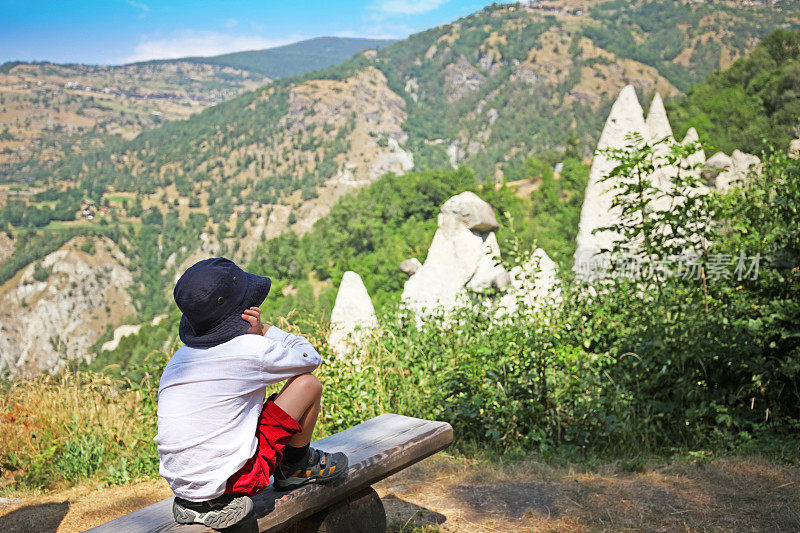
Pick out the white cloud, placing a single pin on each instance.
(407, 7)
(199, 43)
(230, 23)
(141, 6)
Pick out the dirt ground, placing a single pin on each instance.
(455, 494)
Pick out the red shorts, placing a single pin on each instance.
(275, 428)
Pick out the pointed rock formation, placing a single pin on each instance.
(699, 156)
(353, 315)
(626, 117)
(534, 284)
(462, 250)
(657, 123)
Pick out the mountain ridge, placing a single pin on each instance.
(317, 53)
(49, 109)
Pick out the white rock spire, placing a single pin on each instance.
(353, 314)
(626, 117)
(657, 122)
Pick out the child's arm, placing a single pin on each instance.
(288, 355)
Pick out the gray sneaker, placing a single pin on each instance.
(219, 513)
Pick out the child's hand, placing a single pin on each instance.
(253, 315)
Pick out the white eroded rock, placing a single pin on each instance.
(698, 157)
(626, 118)
(736, 173)
(353, 314)
(794, 149)
(452, 260)
(410, 266)
(462, 247)
(489, 273)
(716, 164)
(82, 294)
(534, 284)
(719, 161)
(657, 123)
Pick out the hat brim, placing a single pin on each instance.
(234, 325)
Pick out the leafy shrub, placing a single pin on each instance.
(88, 246)
(41, 273)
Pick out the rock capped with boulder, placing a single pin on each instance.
(462, 255)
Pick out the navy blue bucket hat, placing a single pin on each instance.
(212, 294)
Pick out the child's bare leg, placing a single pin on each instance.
(300, 398)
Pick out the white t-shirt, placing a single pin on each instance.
(209, 401)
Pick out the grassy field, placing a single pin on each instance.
(77, 451)
(118, 198)
(480, 493)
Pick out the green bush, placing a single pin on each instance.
(41, 273)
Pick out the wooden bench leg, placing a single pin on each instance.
(360, 513)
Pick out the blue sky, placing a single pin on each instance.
(121, 31)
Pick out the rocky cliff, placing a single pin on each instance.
(55, 309)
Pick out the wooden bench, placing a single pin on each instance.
(376, 449)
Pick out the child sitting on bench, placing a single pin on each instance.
(217, 439)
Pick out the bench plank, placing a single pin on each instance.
(376, 449)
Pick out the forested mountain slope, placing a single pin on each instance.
(686, 41)
(48, 110)
(488, 91)
(753, 104)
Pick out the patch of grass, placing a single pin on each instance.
(118, 198)
(58, 430)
